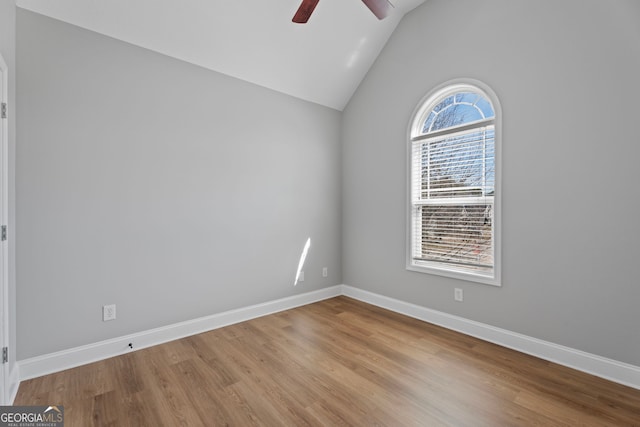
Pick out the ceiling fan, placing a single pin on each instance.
(380, 8)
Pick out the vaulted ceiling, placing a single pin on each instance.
(322, 61)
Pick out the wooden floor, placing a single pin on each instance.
(336, 362)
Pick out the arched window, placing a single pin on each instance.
(454, 199)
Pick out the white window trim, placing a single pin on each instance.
(417, 119)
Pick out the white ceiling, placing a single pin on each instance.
(322, 61)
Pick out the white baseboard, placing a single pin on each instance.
(609, 369)
(592, 364)
(65, 359)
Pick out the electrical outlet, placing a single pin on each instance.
(457, 294)
(301, 277)
(325, 272)
(108, 312)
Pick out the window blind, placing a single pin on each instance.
(453, 187)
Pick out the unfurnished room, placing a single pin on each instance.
(319, 213)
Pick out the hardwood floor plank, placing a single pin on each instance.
(168, 392)
(136, 411)
(336, 362)
(103, 413)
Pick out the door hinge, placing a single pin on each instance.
(5, 354)
(3, 112)
(3, 233)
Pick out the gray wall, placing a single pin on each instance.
(566, 74)
(167, 189)
(8, 51)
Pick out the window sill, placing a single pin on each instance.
(436, 269)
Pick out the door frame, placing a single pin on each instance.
(4, 247)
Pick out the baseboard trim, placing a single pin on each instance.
(603, 367)
(609, 369)
(71, 358)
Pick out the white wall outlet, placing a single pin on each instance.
(108, 312)
(301, 277)
(325, 272)
(457, 294)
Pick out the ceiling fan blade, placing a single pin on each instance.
(304, 11)
(380, 8)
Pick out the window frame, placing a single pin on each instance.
(414, 134)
